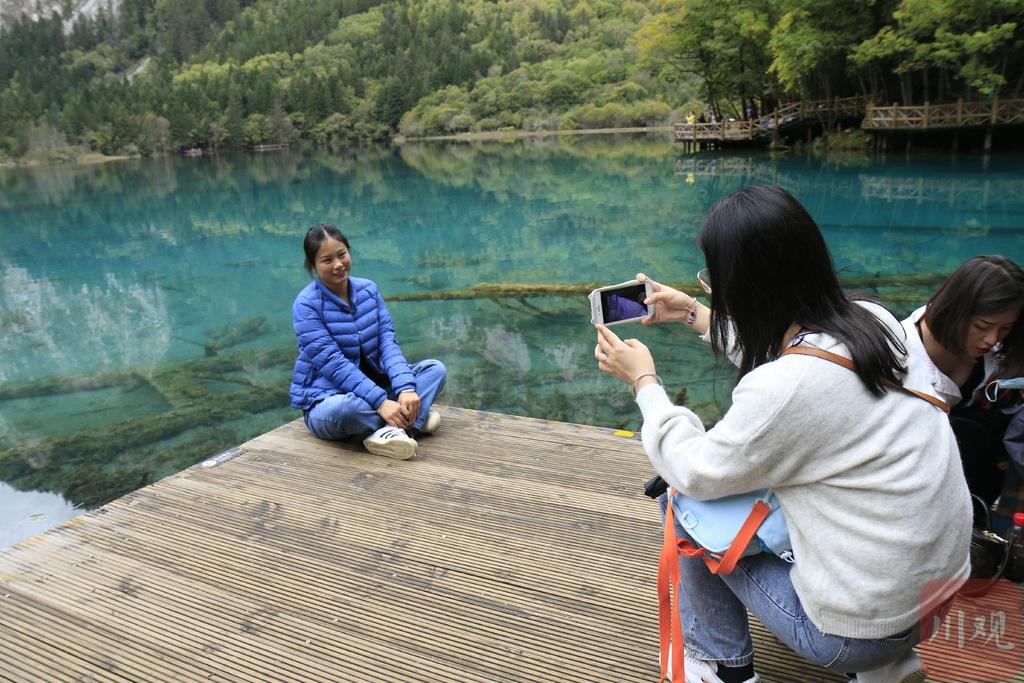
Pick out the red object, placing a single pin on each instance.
(670, 584)
(1018, 519)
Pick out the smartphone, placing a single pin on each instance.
(622, 303)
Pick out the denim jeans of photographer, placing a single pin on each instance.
(713, 611)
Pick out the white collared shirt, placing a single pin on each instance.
(942, 386)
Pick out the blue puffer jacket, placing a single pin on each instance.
(331, 334)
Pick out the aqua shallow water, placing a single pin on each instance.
(145, 306)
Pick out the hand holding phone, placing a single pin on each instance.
(622, 303)
(667, 304)
(626, 359)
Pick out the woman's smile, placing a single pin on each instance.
(333, 263)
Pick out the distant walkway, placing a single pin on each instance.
(955, 115)
(959, 114)
(763, 127)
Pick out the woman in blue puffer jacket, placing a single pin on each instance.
(350, 378)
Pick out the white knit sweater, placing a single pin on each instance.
(872, 488)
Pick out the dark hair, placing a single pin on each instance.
(769, 268)
(316, 236)
(983, 285)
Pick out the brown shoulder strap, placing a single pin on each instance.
(848, 364)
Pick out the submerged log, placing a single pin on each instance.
(233, 335)
(99, 444)
(219, 367)
(67, 384)
(496, 292)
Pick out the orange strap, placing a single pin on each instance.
(757, 515)
(670, 624)
(670, 584)
(848, 364)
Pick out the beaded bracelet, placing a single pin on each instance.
(691, 314)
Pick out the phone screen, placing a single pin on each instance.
(624, 303)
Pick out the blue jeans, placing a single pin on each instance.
(346, 415)
(713, 612)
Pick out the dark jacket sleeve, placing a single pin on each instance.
(319, 347)
(1013, 440)
(391, 356)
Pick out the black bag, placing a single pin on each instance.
(989, 554)
(992, 556)
(654, 487)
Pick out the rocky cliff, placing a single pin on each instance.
(10, 10)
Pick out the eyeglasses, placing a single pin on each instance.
(704, 279)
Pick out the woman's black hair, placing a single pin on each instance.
(769, 268)
(983, 285)
(316, 236)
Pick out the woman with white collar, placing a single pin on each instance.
(968, 335)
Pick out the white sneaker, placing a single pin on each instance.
(391, 442)
(432, 423)
(701, 671)
(906, 670)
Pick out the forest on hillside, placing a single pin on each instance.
(160, 76)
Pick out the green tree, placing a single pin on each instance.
(182, 26)
(942, 48)
(258, 129)
(234, 124)
(156, 134)
(723, 43)
(811, 40)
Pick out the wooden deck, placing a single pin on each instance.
(511, 549)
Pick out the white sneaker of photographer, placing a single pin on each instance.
(432, 423)
(701, 671)
(391, 442)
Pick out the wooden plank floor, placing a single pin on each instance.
(511, 549)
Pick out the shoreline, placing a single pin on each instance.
(91, 158)
(519, 134)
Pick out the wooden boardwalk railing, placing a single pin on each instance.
(763, 126)
(954, 115)
(959, 114)
(722, 130)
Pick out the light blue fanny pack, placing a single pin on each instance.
(714, 524)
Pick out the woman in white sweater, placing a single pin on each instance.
(868, 477)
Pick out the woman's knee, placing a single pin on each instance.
(347, 413)
(432, 370)
(434, 367)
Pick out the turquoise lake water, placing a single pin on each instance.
(145, 305)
